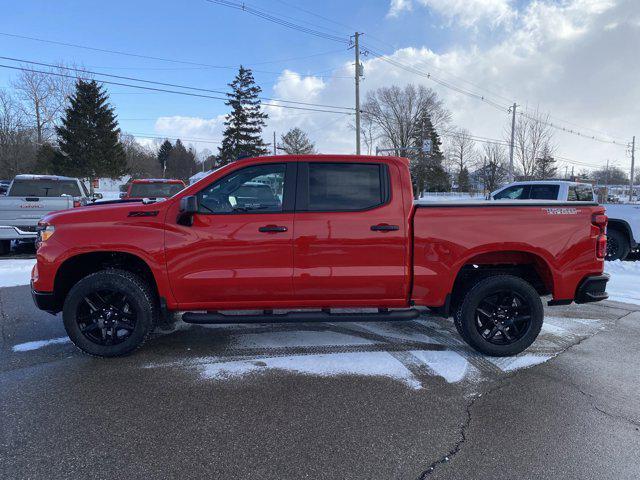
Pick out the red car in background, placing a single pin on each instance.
(153, 188)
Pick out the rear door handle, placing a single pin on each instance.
(272, 229)
(382, 227)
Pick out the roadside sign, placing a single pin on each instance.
(426, 146)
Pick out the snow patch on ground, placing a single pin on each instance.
(28, 346)
(624, 285)
(15, 272)
(524, 360)
(298, 339)
(324, 365)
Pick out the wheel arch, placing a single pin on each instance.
(527, 265)
(78, 266)
(623, 227)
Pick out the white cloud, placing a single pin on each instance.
(560, 57)
(465, 12)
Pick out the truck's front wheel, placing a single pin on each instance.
(500, 316)
(109, 313)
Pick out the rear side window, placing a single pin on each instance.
(544, 192)
(346, 186)
(515, 192)
(580, 193)
(44, 188)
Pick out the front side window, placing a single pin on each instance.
(345, 186)
(516, 192)
(258, 188)
(544, 192)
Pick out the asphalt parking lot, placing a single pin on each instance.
(360, 401)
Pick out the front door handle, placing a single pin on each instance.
(272, 229)
(383, 227)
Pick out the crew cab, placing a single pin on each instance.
(153, 188)
(623, 227)
(29, 198)
(333, 232)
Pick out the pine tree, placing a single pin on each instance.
(163, 155)
(181, 162)
(427, 170)
(296, 142)
(89, 135)
(242, 136)
(464, 180)
(545, 166)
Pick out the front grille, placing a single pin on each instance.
(27, 228)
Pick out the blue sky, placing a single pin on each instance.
(571, 58)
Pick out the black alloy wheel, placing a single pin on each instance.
(106, 317)
(503, 318)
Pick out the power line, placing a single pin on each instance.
(149, 57)
(280, 21)
(121, 77)
(177, 92)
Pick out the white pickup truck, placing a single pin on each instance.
(623, 230)
(29, 198)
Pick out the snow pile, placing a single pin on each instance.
(35, 345)
(624, 285)
(15, 272)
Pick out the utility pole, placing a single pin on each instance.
(358, 73)
(633, 164)
(275, 148)
(511, 143)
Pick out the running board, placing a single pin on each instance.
(323, 316)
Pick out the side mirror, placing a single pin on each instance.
(97, 196)
(122, 195)
(188, 206)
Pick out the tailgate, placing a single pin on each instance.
(26, 211)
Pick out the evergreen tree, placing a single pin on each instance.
(181, 162)
(427, 169)
(88, 140)
(89, 135)
(163, 155)
(242, 136)
(464, 180)
(545, 166)
(296, 142)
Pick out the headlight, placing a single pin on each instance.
(45, 231)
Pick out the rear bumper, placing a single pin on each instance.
(592, 289)
(46, 301)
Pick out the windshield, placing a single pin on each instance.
(154, 190)
(44, 188)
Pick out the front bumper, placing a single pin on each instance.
(10, 232)
(46, 301)
(592, 289)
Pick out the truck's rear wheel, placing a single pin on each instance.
(500, 316)
(109, 313)
(618, 246)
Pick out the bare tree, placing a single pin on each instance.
(369, 135)
(395, 114)
(141, 161)
(493, 171)
(533, 136)
(462, 154)
(43, 98)
(17, 151)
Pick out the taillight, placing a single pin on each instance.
(76, 203)
(601, 246)
(600, 221)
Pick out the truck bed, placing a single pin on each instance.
(555, 238)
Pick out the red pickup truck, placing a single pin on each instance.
(297, 236)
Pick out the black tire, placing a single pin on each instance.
(515, 324)
(110, 313)
(618, 246)
(5, 246)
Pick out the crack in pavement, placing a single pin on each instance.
(457, 447)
